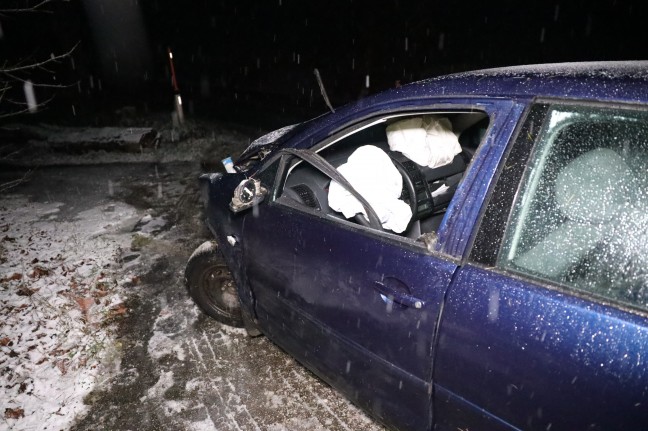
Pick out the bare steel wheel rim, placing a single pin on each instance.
(220, 290)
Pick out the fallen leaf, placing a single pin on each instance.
(84, 303)
(12, 277)
(39, 271)
(120, 309)
(62, 365)
(16, 413)
(25, 291)
(99, 293)
(5, 341)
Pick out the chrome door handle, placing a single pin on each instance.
(398, 297)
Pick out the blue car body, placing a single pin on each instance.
(459, 333)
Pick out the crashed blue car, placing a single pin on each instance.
(468, 252)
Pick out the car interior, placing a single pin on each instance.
(433, 188)
(575, 225)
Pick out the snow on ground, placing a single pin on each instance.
(158, 362)
(215, 377)
(60, 296)
(64, 283)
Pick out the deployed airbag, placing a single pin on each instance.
(426, 141)
(372, 173)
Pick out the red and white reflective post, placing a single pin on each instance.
(179, 113)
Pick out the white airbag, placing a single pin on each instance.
(372, 173)
(426, 141)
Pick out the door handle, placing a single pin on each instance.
(399, 297)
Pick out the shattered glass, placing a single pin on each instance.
(581, 218)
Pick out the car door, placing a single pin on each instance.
(357, 306)
(327, 305)
(545, 327)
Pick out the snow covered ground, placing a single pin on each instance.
(96, 328)
(65, 275)
(62, 294)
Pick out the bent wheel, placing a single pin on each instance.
(211, 286)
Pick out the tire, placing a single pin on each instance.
(211, 285)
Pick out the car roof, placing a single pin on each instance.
(616, 81)
(619, 80)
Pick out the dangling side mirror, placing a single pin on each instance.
(248, 193)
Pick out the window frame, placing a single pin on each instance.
(286, 163)
(498, 210)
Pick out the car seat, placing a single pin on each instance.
(590, 192)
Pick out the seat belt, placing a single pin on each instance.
(318, 162)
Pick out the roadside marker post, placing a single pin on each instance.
(177, 99)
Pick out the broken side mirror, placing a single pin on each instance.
(247, 194)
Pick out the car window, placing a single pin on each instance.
(407, 166)
(580, 217)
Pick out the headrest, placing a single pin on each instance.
(594, 186)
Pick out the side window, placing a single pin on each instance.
(406, 166)
(580, 217)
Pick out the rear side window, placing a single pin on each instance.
(580, 216)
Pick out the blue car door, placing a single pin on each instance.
(357, 306)
(545, 326)
(321, 293)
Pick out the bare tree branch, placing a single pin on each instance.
(23, 110)
(323, 90)
(35, 8)
(11, 184)
(25, 71)
(40, 64)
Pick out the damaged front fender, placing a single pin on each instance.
(217, 190)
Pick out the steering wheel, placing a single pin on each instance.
(409, 187)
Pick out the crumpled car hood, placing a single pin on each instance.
(261, 147)
(266, 140)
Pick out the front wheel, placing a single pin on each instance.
(211, 286)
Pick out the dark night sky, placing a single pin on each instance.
(231, 54)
